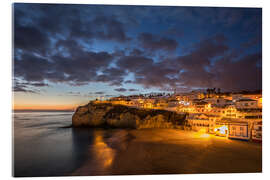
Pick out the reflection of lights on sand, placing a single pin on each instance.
(102, 151)
(205, 135)
(202, 133)
(203, 130)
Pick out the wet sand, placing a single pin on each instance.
(169, 151)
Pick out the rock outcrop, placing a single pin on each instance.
(118, 116)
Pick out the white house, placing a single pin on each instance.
(239, 130)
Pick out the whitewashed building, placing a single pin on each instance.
(239, 130)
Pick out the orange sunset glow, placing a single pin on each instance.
(43, 107)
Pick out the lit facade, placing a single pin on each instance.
(239, 130)
(257, 131)
(234, 116)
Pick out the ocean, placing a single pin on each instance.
(42, 146)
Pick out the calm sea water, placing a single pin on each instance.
(42, 147)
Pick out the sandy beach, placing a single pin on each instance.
(170, 151)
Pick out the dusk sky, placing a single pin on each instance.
(66, 55)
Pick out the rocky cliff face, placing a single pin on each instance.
(118, 116)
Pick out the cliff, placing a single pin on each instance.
(119, 116)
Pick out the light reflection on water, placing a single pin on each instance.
(43, 148)
(102, 152)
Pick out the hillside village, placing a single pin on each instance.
(232, 115)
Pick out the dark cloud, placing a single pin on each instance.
(27, 87)
(173, 31)
(229, 72)
(110, 29)
(31, 84)
(30, 39)
(121, 89)
(48, 44)
(36, 24)
(134, 63)
(156, 75)
(106, 28)
(78, 68)
(128, 81)
(147, 72)
(108, 95)
(115, 76)
(74, 93)
(243, 74)
(38, 84)
(31, 67)
(57, 44)
(18, 88)
(149, 41)
(254, 41)
(132, 90)
(197, 69)
(136, 52)
(195, 66)
(80, 94)
(100, 92)
(189, 70)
